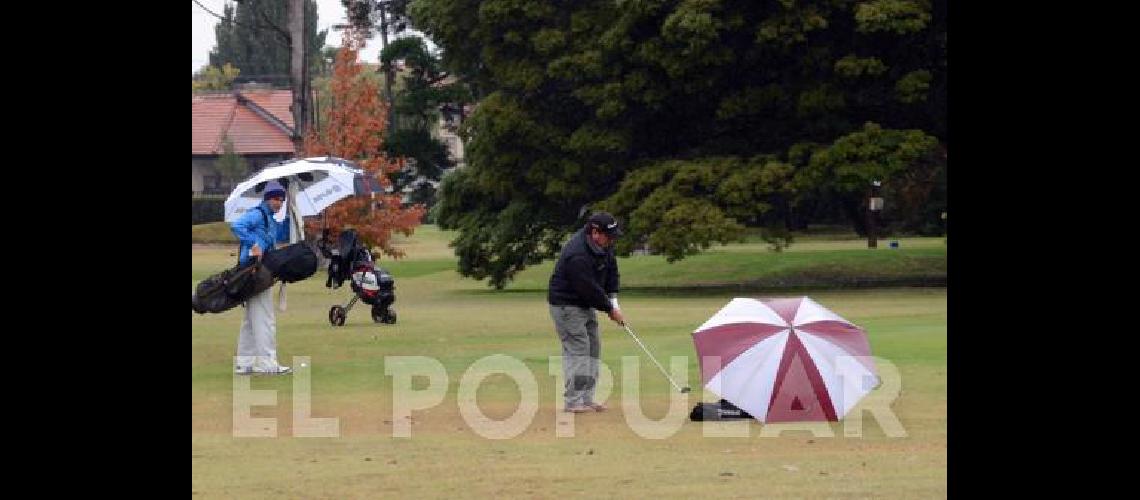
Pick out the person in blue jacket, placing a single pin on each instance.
(258, 232)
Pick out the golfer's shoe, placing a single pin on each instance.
(598, 407)
(280, 370)
(578, 409)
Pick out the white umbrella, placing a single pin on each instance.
(313, 185)
(785, 360)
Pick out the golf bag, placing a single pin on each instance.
(225, 290)
(721, 410)
(294, 262)
(350, 261)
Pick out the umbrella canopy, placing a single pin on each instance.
(313, 185)
(785, 360)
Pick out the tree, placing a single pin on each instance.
(254, 38)
(364, 15)
(354, 126)
(390, 16)
(578, 97)
(213, 78)
(680, 207)
(909, 163)
(322, 89)
(229, 164)
(417, 110)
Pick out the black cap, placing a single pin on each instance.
(606, 223)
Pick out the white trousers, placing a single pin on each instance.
(257, 342)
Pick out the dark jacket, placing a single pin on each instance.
(583, 277)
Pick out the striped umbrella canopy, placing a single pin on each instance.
(785, 360)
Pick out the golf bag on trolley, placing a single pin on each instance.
(350, 261)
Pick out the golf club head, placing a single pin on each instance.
(685, 389)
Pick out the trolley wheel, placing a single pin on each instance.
(337, 315)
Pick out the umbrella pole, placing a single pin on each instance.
(296, 234)
(298, 230)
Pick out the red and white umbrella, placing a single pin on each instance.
(785, 360)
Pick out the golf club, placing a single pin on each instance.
(663, 372)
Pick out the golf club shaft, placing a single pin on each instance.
(662, 368)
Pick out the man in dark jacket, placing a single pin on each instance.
(584, 279)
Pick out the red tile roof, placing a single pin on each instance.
(273, 101)
(214, 116)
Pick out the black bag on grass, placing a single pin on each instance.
(721, 410)
(292, 263)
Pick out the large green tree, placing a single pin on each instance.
(425, 89)
(254, 37)
(909, 163)
(705, 110)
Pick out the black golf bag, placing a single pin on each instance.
(294, 262)
(720, 410)
(225, 290)
(350, 261)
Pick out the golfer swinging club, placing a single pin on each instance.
(585, 278)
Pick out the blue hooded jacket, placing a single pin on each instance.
(251, 228)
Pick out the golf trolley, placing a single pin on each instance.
(374, 286)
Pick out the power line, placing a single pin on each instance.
(220, 17)
(250, 26)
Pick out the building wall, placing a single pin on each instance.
(445, 131)
(257, 162)
(455, 147)
(201, 167)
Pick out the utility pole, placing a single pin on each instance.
(298, 73)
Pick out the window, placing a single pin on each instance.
(213, 184)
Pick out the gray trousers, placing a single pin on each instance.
(257, 342)
(578, 330)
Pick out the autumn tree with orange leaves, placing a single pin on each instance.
(353, 128)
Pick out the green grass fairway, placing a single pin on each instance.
(457, 322)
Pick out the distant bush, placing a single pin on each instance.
(208, 210)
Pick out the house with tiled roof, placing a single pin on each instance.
(258, 123)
